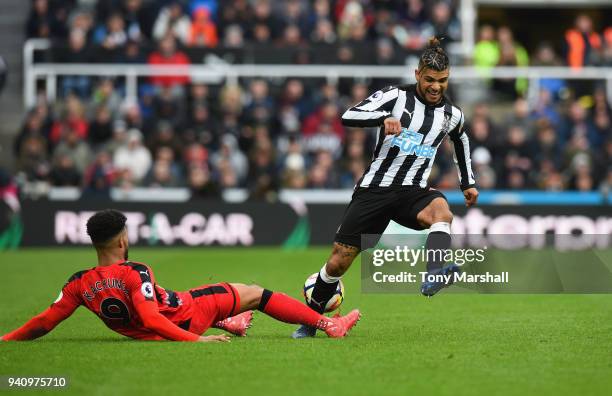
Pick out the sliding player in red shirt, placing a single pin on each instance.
(127, 298)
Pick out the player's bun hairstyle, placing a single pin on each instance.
(434, 57)
(104, 225)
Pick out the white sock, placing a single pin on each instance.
(440, 226)
(326, 277)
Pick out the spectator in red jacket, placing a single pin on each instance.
(73, 120)
(326, 114)
(167, 54)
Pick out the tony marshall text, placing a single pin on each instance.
(408, 277)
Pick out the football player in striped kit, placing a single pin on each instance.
(412, 122)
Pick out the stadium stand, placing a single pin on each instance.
(263, 134)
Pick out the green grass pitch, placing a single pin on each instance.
(452, 344)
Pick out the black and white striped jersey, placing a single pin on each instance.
(407, 159)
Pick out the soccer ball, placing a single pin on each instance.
(334, 303)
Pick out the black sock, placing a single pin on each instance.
(436, 240)
(265, 297)
(321, 294)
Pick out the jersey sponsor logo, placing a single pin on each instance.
(410, 143)
(147, 290)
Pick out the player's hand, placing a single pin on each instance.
(392, 126)
(471, 196)
(214, 338)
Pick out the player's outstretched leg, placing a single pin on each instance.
(438, 217)
(325, 286)
(289, 310)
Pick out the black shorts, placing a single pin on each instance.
(371, 210)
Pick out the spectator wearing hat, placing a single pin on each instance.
(203, 31)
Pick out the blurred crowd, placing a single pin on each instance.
(120, 26)
(259, 136)
(264, 135)
(554, 146)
